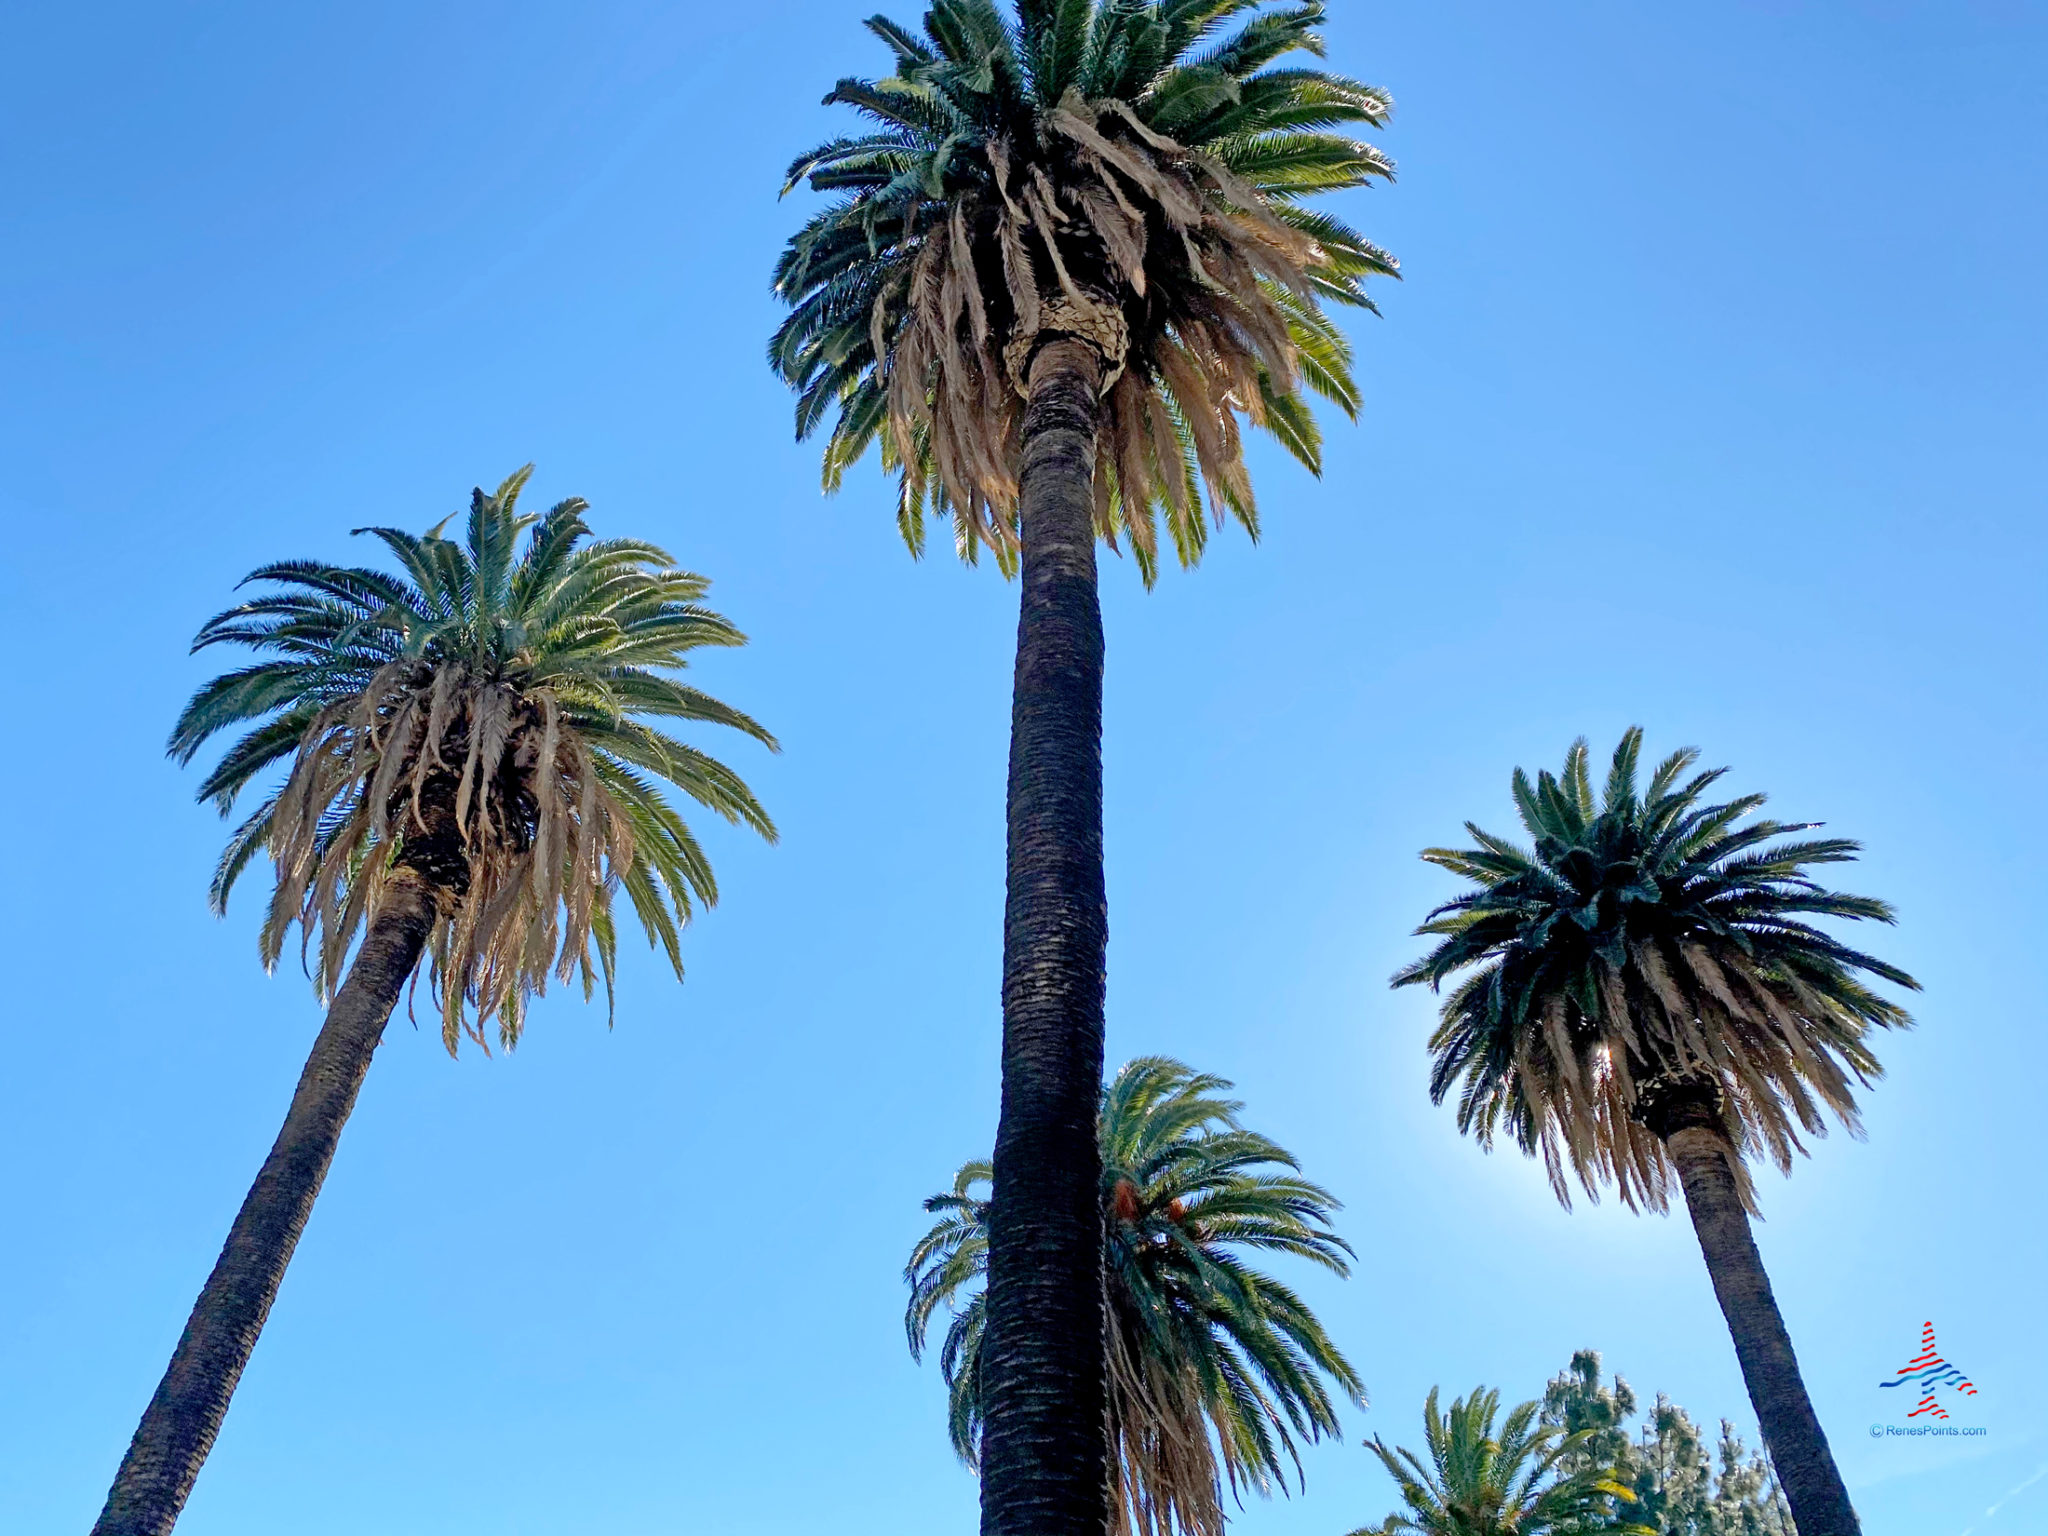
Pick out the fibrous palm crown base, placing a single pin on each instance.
(475, 720)
(1651, 952)
(1216, 1369)
(1128, 174)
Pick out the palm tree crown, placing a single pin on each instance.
(1132, 173)
(1651, 949)
(482, 712)
(1507, 1482)
(1215, 1368)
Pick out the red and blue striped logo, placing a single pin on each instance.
(1930, 1372)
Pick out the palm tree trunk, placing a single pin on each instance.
(179, 1426)
(1045, 1441)
(1791, 1430)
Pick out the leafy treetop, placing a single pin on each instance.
(480, 715)
(1136, 174)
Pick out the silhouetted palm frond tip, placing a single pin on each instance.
(1135, 174)
(486, 706)
(1649, 939)
(1217, 1370)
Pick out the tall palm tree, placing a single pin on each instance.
(472, 779)
(1647, 995)
(1514, 1481)
(1215, 1367)
(1074, 256)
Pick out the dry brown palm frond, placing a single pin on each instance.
(1775, 1053)
(1165, 1479)
(1156, 255)
(478, 780)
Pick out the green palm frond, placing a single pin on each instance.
(1218, 1371)
(1648, 937)
(488, 704)
(1518, 1478)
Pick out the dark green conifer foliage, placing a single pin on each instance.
(1679, 1489)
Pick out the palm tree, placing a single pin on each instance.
(1646, 994)
(1071, 260)
(472, 779)
(1480, 1482)
(1215, 1368)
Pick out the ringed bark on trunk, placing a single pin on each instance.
(1799, 1447)
(183, 1418)
(1045, 1442)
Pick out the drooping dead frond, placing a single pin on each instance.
(1165, 1478)
(1147, 196)
(510, 806)
(1167, 265)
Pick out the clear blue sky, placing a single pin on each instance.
(1713, 400)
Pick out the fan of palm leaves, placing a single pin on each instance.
(1510, 1481)
(1651, 943)
(479, 716)
(1217, 1371)
(1135, 174)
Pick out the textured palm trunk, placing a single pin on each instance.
(1798, 1446)
(1045, 1440)
(179, 1426)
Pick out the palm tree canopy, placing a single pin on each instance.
(1217, 1369)
(1650, 943)
(492, 699)
(1133, 173)
(1480, 1481)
